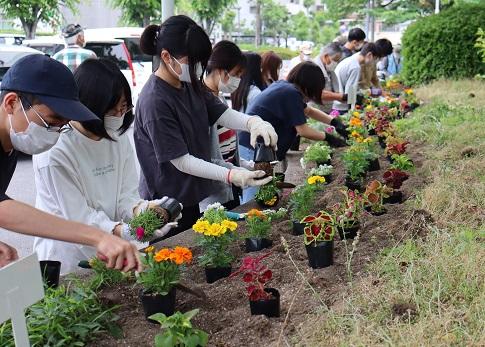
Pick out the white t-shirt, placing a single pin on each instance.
(88, 181)
(348, 74)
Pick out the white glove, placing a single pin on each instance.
(144, 205)
(245, 164)
(244, 178)
(126, 234)
(258, 127)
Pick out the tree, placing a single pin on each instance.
(275, 19)
(209, 12)
(227, 23)
(138, 12)
(300, 26)
(31, 12)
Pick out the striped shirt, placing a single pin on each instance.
(73, 55)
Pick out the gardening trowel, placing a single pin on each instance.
(194, 291)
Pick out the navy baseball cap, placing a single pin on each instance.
(51, 82)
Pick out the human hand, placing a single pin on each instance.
(8, 254)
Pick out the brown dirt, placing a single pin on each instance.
(225, 314)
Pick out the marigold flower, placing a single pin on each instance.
(183, 253)
(355, 134)
(316, 179)
(356, 114)
(368, 140)
(255, 213)
(271, 201)
(216, 229)
(229, 224)
(355, 122)
(162, 255)
(201, 226)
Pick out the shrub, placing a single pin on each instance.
(284, 53)
(442, 45)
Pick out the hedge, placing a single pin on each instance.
(442, 45)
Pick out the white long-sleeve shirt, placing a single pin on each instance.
(348, 74)
(88, 181)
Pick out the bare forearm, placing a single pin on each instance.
(24, 219)
(309, 133)
(318, 115)
(332, 96)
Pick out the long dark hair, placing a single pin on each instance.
(270, 63)
(308, 77)
(181, 37)
(101, 85)
(226, 55)
(251, 76)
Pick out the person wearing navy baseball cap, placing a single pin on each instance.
(38, 98)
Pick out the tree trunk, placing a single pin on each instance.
(258, 23)
(146, 20)
(29, 28)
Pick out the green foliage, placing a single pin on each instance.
(259, 222)
(318, 152)
(138, 12)
(300, 26)
(480, 44)
(104, 276)
(268, 193)
(355, 162)
(284, 53)
(442, 45)
(210, 11)
(275, 18)
(228, 23)
(401, 162)
(158, 276)
(215, 250)
(321, 170)
(302, 200)
(67, 316)
(149, 221)
(31, 12)
(178, 330)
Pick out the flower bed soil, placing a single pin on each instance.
(225, 313)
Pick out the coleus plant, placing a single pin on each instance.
(346, 214)
(396, 147)
(255, 275)
(318, 227)
(394, 178)
(374, 195)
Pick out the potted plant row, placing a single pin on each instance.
(318, 239)
(347, 214)
(268, 195)
(215, 233)
(258, 225)
(318, 153)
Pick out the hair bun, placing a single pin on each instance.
(148, 39)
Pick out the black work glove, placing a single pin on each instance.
(340, 127)
(335, 141)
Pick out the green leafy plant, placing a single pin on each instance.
(259, 222)
(346, 214)
(318, 152)
(374, 195)
(268, 194)
(430, 53)
(302, 200)
(162, 268)
(321, 170)
(215, 234)
(318, 227)
(178, 330)
(401, 162)
(355, 162)
(105, 277)
(67, 316)
(143, 226)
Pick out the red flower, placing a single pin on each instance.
(140, 232)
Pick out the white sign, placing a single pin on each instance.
(20, 287)
(352, 96)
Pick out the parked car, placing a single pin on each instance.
(9, 54)
(11, 39)
(50, 45)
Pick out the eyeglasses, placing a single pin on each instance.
(124, 110)
(50, 128)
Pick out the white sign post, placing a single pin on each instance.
(352, 96)
(20, 287)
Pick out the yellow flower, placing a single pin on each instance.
(229, 224)
(316, 179)
(368, 108)
(149, 249)
(271, 201)
(355, 122)
(356, 114)
(368, 140)
(216, 229)
(408, 91)
(355, 134)
(201, 226)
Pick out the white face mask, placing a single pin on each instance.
(359, 47)
(231, 85)
(331, 67)
(33, 140)
(113, 123)
(185, 75)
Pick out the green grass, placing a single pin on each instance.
(426, 291)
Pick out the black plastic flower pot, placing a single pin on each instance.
(382, 142)
(269, 307)
(376, 213)
(295, 146)
(353, 185)
(173, 208)
(374, 165)
(156, 303)
(298, 228)
(326, 162)
(263, 153)
(395, 198)
(50, 270)
(264, 204)
(347, 233)
(328, 178)
(389, 158)
(372, 132)
(320, 254)
(255, 244)
(213, 274)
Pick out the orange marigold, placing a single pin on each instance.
(356, 122)
(181, 255)
(255, 213)
(162, 255)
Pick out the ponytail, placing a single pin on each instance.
(148, 40)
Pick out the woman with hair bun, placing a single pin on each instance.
(173, 115)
